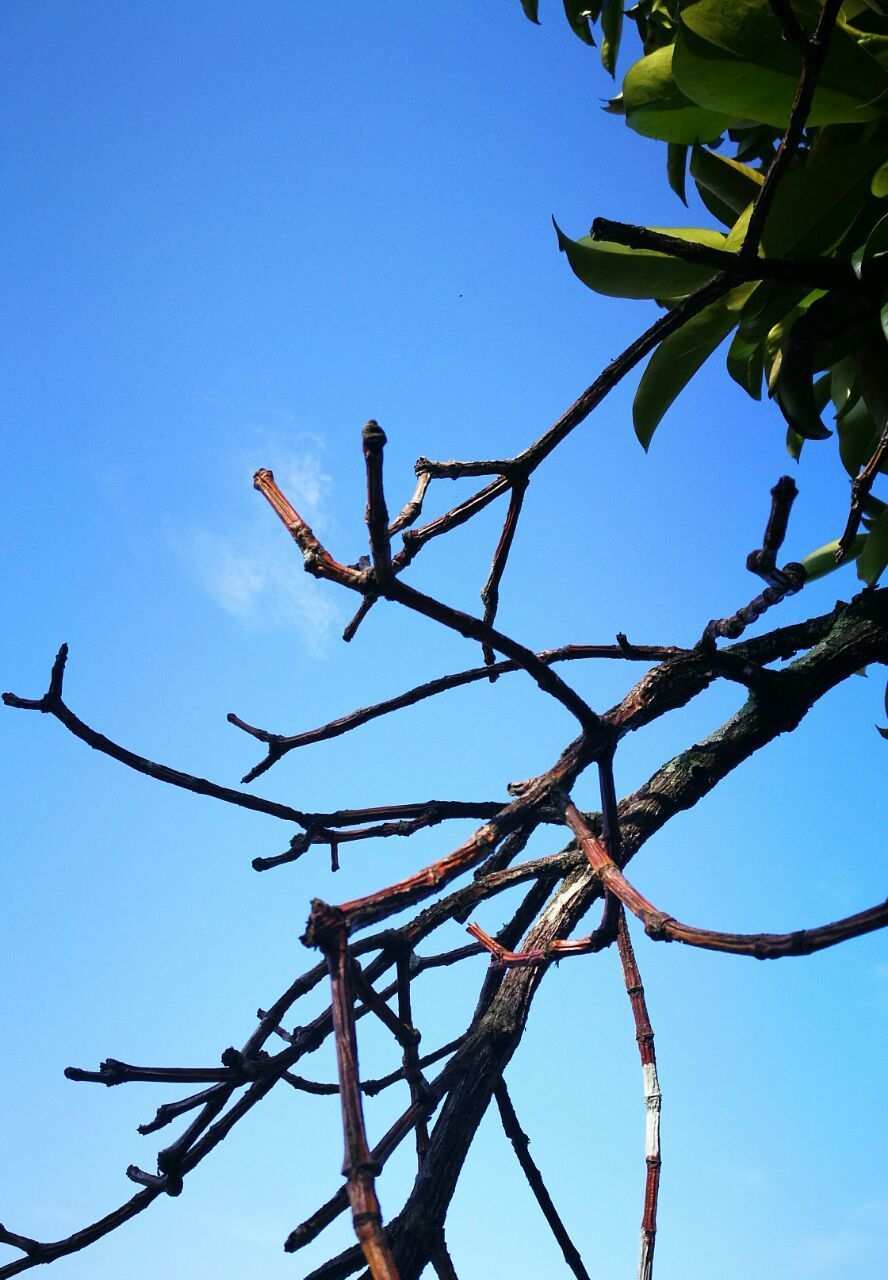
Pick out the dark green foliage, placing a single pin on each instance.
(715, 82)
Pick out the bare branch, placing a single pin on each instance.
(377, 515)
(814, 51)
(663, 927)
(279, 744)
(521, 1145)
(822, 273)
(490, 590)
(644, 1034)
(328, 931)
(411, 1067)
(319, 562)
(412, 509)
(51, 704)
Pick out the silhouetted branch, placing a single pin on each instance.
(51, 704)
(377, 515)
(490, 590)
(38, 1252)
(318, 561)
(280, 744)
(813, 53)
(410, 1060)
(821, 273)
(416, 817)
(521, 1144)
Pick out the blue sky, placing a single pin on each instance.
(232, 232)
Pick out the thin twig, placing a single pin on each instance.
(280, 744)
(490, 590)
(414, 888)
(366, 992)
(442, 1263)
(411, 1067)
(412, 509)
(320, 563)
(52, 704)
(793, 31)
(560, 949)
(521, 1144)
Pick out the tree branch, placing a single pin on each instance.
(813, 52)
(821, 273)
(521, 1144)
(644, 1034)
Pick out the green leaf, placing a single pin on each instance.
(875, 246)
(729, 57)
(772, 303)
(844, 388)
(676, 165)
(794, 392)
(794, 444)
(738, 297)
(872, 373)
(883, 732)
(746, 364)
(531, 9)
(578, 15)
(873, 559)
(822, 561)
(817, 202)
(656, 107)
(611, 31)
(857, 438)
(879, 184)
(674, 363)
(619, 272)
(872, 509)
(737, 234)
(735, 185)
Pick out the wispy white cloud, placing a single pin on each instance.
(252, 571)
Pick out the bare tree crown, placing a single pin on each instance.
(814, 297)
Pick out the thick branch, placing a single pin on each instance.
(858, 634)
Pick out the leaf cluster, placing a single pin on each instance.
(716, 83)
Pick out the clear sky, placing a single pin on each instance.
(232, 232)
